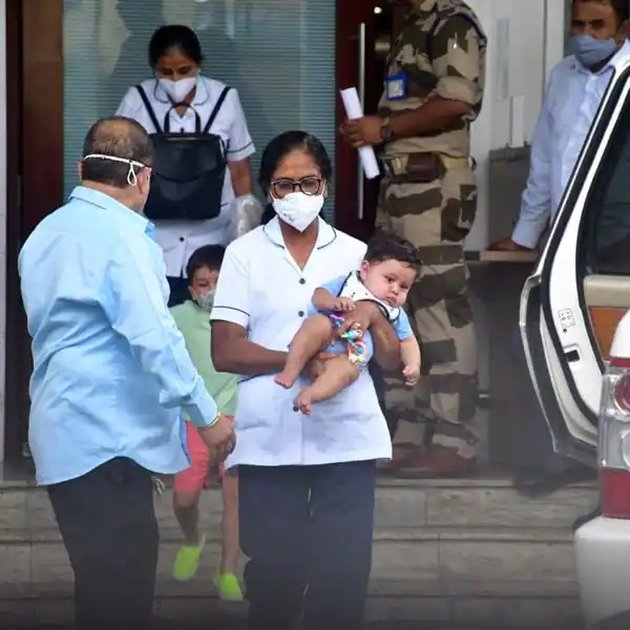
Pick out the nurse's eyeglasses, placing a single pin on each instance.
(308, 185)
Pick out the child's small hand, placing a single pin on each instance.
(411, 374)
(344, 305)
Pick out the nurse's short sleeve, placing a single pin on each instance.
(241, 144)
(402, 327)
(231, 299)
(131, 105)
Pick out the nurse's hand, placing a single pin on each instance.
(246, 214)
(219, 437)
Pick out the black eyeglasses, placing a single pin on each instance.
(308, 185)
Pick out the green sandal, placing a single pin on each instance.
(187, 561)
(228, 587)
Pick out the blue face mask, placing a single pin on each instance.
(590, 51)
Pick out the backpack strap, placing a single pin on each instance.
(150, 111)
(216, 109)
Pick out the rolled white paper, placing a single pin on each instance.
(350, 98)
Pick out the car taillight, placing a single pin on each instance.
(614, 440)
(615, 493)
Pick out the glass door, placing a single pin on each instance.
(34, 175)
(279, 55)
(364, 35)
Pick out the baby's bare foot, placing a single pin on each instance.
(285, 379)
(303, 403)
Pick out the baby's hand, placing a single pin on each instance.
(344, 305)
(411, 374)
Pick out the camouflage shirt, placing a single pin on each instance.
(441, 51)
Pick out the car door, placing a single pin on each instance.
(580, 288)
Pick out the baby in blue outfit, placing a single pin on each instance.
(385, 277)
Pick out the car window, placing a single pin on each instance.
(605, 238)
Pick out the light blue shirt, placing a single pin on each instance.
(571, 101)
(111, 370)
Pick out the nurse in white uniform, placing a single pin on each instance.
(175, 57)
(306, 483)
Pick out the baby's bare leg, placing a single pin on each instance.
(338, 374)
(314, 335)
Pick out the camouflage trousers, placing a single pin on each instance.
(436, 217)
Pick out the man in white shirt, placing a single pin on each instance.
(576, 87)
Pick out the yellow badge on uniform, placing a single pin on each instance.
(396, 86)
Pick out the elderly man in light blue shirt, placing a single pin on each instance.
(111, 375)
(575, 90)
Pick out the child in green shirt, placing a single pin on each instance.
(193, 320)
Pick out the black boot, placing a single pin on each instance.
(538, 482)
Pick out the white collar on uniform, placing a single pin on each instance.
(326, 234)
(354, 289)
(201, 93)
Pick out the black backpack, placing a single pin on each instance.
(188, 168)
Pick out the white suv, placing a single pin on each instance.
(578, 296)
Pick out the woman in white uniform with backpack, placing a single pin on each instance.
(201, 192)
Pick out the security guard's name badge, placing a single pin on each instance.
(396, 86)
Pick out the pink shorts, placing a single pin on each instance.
(197, 475)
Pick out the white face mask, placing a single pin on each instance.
(205, 301)
(178, 90)
(298, 210)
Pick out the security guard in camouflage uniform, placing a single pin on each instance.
(433, 91)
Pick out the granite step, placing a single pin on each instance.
(490, 502)
(35, 563)
(445, 550)
(437, 604)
